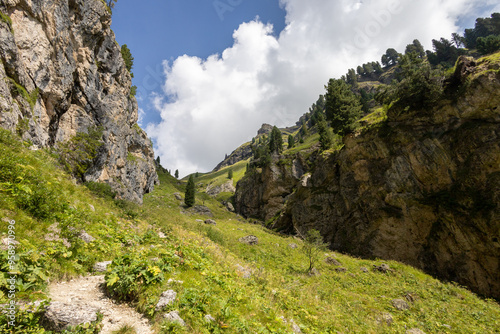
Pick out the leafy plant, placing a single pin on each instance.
(78, 153)
(101, 189)
(130, 273)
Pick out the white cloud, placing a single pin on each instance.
(140, 116)
(213, 105)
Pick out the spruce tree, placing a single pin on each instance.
(176, 173)
(291, 141)
(230, 174)
(303, 131)
(325, 138)
(342, 107)
(189, 198)
(276, 141)
(128, 59)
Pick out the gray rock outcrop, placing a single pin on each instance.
(62, 73)
(167, 298)
(249, 240)
(62, 316)
(174, 317)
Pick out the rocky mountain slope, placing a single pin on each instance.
(62, 73)
(422, 188)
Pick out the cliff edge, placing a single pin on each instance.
(62, 73)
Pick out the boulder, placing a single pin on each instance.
(414, 331)
(62, 316)
(101, 267)
(249, 240)
(400, 304)
(383, 268)
(167, 298)
(334, 262)
(174, 317)
(87, 238)
(210, 222)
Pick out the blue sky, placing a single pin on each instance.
(166, 29)
(210, 72)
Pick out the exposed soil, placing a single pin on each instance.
(87, 291)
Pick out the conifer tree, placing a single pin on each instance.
(230, 174)
(342, 107)
(303, 131)
(325, 138)
(128, 59)
(291, 141)
(275, 141)
(176, 173)
(189, 198)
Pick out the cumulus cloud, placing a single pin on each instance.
(210, 106)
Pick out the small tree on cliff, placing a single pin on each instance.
(128, 59)
(276, 141)
(189, 197)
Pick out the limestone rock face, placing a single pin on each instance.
(423, 188)
(263, 193)
(61, 73)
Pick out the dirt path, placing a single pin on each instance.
(86, 290)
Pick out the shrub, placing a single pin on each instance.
(129, 273)
(78, 153)
(100, 189)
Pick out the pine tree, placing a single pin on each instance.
(127, 58)
(189, 198)
(176, 173)
(276, 141)
(230, 174)
(291, 141)
(325, 138)
(342, 107)
(303, 131)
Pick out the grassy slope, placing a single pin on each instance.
(206, 259)
(219, 177)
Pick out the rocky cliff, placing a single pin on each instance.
(244, 151)
(62, 73)
(263, 192)
(422, 188)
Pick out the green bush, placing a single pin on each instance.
(26, 185)
(100, 189)
(130, 273)
(31, 98)
(6, 18)
(27, 321)
(77, 154)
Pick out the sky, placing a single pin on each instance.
(209, 73)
